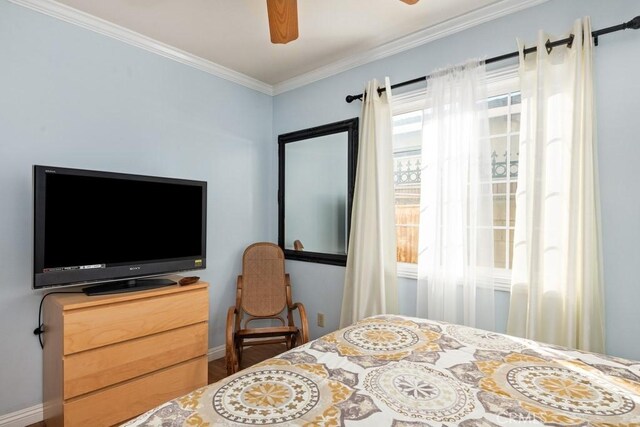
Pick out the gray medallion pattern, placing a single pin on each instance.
(567, 390)
(268, 396)
(380, 337)
(171, 411)
(420, 391)
(483, 339)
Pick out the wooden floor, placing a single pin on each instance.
(250, 356)
(218, 368)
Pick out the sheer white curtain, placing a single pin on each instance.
(370, 279)
(557, 285)
(455, 261)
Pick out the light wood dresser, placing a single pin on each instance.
(110, 358)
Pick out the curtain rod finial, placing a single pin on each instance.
(634, 23)
(351, 98)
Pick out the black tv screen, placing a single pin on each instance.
(93, 226)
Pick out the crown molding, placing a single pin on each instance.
(68, 14)
(429, 34)
(100, 26)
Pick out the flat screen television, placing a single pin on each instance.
(92, 227)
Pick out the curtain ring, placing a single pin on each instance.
(571, 37)
(548, 46)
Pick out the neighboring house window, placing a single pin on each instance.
(504, 124)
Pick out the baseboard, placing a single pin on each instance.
(33, 414)
(216, 352)
(23, 417)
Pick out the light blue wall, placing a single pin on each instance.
(617, 67)
(70, 97)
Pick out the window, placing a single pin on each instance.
(504, 124)
(407, 139)
(504, 129)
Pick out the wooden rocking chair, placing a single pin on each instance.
(263, 292)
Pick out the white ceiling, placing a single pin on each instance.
(235, 33)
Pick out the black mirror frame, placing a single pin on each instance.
(351, 127)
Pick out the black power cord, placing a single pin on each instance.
(40, 329)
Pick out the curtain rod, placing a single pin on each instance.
(634, 24)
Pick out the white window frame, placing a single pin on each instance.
(500, 81)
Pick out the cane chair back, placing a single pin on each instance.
(263, 291)
(263, 285)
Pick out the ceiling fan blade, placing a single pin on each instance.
(283, 20)
(410, 1)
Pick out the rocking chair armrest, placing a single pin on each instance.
(231, 314)
(304, 326)
(239, 291)
(297, 305)
(231, 355)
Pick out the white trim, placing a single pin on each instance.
(501, 278)
(23, 417)
(435, 32)
(34, 414)
(499, 81)
(216, 352)
(100, 26)
(484, 14)
(409, 101)
(407, 270)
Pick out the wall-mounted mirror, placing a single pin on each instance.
(316, 178)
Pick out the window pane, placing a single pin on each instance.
(514, 155)
(498, 125)
(407, 209)
(407, 141)
(498, 101)
(499, 247)
(406, 171)
(408, 123)
(515, 98)
(499, 188)
(499, 158)
(407, 222)
(512, 210)
(500, 213)
(515, 122)
(499, 210)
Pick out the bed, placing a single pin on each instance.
(408, 372)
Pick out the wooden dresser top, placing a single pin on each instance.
(74, 301)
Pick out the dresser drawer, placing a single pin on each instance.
(90, 328)
(95, 369)
(124, 401)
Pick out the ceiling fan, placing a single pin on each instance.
(283, 19)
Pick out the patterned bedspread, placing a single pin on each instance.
(401, 371)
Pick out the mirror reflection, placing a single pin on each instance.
(316, 178)
(316, 183)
